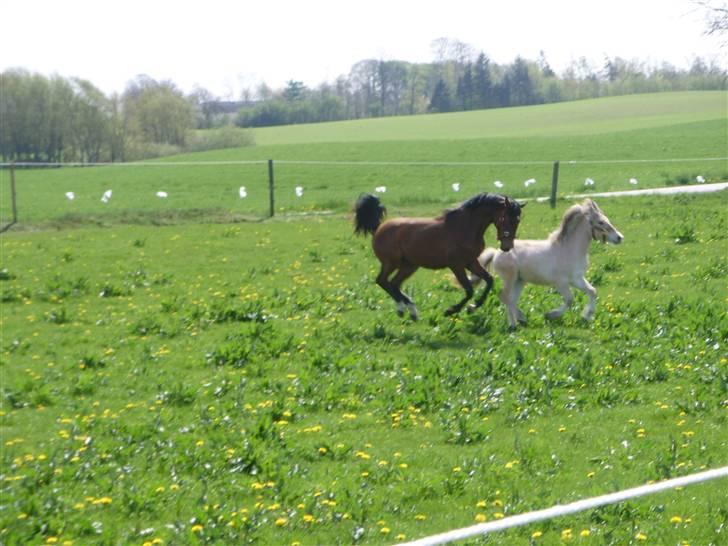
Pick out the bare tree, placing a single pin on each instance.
(716, 18)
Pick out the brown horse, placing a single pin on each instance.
(454, 240)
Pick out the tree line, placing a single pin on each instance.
(54, 119)
(461, 81)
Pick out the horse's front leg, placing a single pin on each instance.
(462, 278)
(478, 270)
(565, 292)
(518, 285)
(509, 299)
(583, 285)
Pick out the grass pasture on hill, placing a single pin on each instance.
(249, 383)
(609, 140)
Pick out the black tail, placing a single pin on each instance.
(369, 212)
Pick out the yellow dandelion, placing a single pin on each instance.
(641, 536)
(566, 534)
(675, 519)
(536, 534)
(385, 530)
(197, 528)
(585, 533)
(480, 518)
(280, 522)
(420, 517)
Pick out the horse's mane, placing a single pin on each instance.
(482, 199)
(568, 221)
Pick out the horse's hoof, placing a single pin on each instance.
(471, 308)
(400, 313)
(450, 311)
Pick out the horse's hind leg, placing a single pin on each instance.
(481, 273)
(565, 292)
(462, 278)
(590, 291)
(405, 271)
(383, 281)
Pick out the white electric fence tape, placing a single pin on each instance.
(562, 510)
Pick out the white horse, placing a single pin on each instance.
(560, 261)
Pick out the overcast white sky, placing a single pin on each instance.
(228, 46)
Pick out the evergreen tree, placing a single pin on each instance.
(464, 90)
(482, 85)
(440, 101)
(521, 89)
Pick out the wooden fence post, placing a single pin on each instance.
(12, 199)
(271, 187)
(554, 184)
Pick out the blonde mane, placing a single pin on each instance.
(568, 221)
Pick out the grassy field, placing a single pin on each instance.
(590, 138)
(239, 383)
(577, 118)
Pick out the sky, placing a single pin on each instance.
(227, 47)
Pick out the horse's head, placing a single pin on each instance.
(601, 228)
(506, 222)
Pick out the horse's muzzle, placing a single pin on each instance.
(505, 246)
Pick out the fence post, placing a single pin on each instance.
(271, 187)
(12, 193)
(12, 199)
(554, 184)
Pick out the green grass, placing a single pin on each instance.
(661, 128)
(204, 383)
(573, 119)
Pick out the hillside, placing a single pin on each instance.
(561, 119)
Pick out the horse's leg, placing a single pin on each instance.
(462, 278)
(481, 273)
(565, 292)
(583, 285)
(383, 281)
(517, 289)
(405, 271)
(507, 296)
